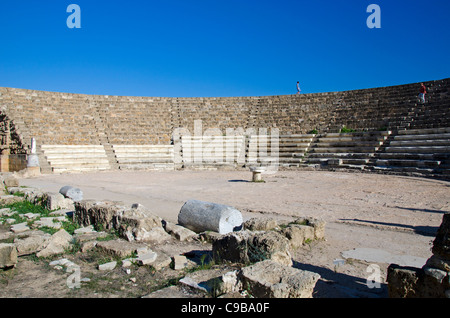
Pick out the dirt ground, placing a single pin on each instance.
(371, 219)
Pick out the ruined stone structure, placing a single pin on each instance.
(75, 132)
(430, 281)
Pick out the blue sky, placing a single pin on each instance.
(191, 48)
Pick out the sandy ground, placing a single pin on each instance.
(371, 218)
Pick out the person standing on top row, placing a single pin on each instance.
(298, 88)
(423, 91)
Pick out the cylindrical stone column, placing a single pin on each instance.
(72, 193)
(200, 216)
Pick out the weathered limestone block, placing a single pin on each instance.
(133, 223)
(56, 244)
(180, 262)
(118, 248)
(107, 266)
(200, 216)
(8, 255)
(269, 245)
(140, 225)
(179, 232)
(10, 199)
(298, 234)
(11, 181)
(54, 201)
(247, 247)
(269, 279)
(72, 193)
(317, 224)
(232, 247)
(32, 243)
(260, 224)
(101, 214)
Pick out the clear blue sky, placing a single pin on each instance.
(191, 48)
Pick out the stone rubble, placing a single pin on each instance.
(262, 241)
(430, 281)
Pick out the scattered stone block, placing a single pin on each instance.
(180, 262)
(127, 262)
(179, 232)
(63, 212)
(147, 258)
(11, 181)
(20, 227)
(248, 247)
(404, 282)
(72, 193)
(56, 244)
(52, 222)
(8, 255)
(119, 247)
(269, 279)
(89, 236)
(132, 223)
(188, 281)
(317, 224)
(5, 211)
(298, 234)
(31, 244)
(61, 261)
(10, 199)
(85, 230)
(162, 261)
(32, 195)
(55, 201)
(155, 235)
(269, 245)
(260, 224)
(107, 266)
(200, 216)
(31, 216)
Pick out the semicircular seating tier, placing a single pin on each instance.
(377, 129)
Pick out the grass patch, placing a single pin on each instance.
(347, 130)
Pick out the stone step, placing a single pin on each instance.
(79, 168)
(421, 142)
(409, 156)
(420, 149)
(408, 137)
(408, 163)
(78, 162)
(147, 166)
(425, 131)
(404, 169)
(355, 149)
(360, 144)
(342, 155)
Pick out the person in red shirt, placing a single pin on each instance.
(423, 91)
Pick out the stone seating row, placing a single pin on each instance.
(417, 150)
(144, 157)
(75, 158)
(346, 150)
